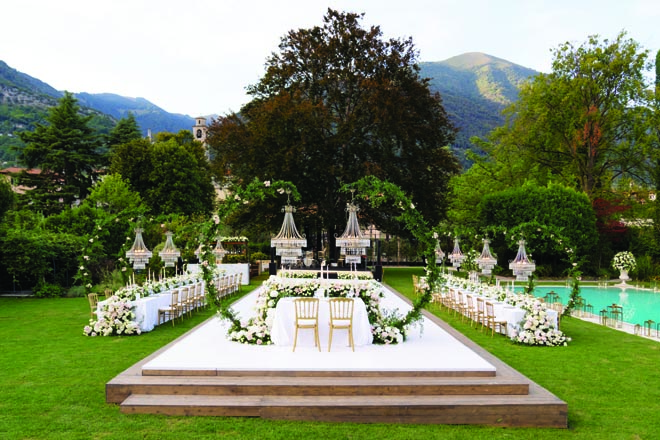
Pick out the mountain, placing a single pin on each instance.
(475, 88)
(148, 115)
(24, 102)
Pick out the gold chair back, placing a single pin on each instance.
(307, 317)
(93, 299)
(492, 322)
(172, 310)
(341, 318)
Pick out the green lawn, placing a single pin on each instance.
(52, 381)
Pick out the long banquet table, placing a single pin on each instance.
(505, 312)
(146, 309)
(283, 329)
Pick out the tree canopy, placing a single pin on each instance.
(338, 102)
(66, 152)
(171, 175)
(582, 121)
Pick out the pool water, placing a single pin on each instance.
(638, 305)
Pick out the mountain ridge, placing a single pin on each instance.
(475, 87)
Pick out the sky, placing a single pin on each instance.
(196, 57)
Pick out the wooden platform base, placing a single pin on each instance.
(505, 398)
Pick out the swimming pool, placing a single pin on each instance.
(638, 305)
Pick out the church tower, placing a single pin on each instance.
(200, 129)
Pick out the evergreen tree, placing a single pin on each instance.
(65, 150)
(127, 129)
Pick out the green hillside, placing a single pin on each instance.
(475, 88)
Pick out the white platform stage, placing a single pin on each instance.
(427, 348)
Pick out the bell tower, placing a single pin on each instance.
(200, 129)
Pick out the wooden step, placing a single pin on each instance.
(484, 410)
(121, 387)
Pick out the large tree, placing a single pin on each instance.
(171, 175)
(66, 152)
(337, 102)
(582, 121)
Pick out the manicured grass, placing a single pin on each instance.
(52, 382)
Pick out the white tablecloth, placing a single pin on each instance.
(146, 309)
(284, 330)
(511, 314)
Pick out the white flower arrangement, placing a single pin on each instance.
(153, 287)
(624, 261)
(257, 329)
(354, 275)
(116, 318)
(237, 239)
(536, 328)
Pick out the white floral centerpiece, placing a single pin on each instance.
(624, 261)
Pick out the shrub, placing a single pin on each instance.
(47, 290)
(234, 258)
(645, 270)
(256, 256)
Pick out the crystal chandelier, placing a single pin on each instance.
(219, 251)
(200, 249)
(439, 254)
(352, 242)
(288, 242)
(138, 254)
(169, 253)
(486, 260)
(456, 255)
(522, 267)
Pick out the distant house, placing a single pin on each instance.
(12, 173)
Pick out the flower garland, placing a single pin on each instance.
(624, 261)
(116, 318)
(255, 190)
(377, 193)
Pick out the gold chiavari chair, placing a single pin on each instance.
(93, 299)
(492, 322)
(341, 318)
(170, 312)
(307, 317)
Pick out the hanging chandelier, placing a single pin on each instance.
(169, 253)
(456, 257)
(439, 254)
(288, 242)
(138, 254)
(219, 251)
(522, 267)
(352, 242)
(199, 252)
(486, 260)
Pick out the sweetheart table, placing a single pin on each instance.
(283, 330)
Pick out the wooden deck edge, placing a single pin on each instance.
(319, 373)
